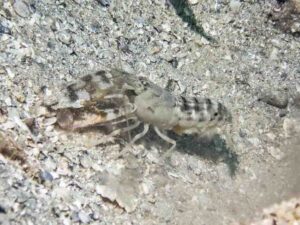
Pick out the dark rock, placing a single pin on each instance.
(283, 112)
(2, 210)
(4, 30)
(105, 3)
(46, 176)
(174, 62)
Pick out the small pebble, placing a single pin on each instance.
(274, 54)
(95, 216)
(85, 161)
(46, 176)
(147, 187)
(235, 5)
(2, 68)
(54, 25)
(153, 157)
(291, 126)
(41, 111)
(276, 153)
(295, 28)
(174, 62)
(193, 2)
(63, 167)
(20, 97)
(64, 37)
(2, 210)
(78, 1)
(166, 27)
(84, 217)
(242, 133)
(163, 210)
(21, 8)
(283, 112)
(4, 29)
(105, 3)
(8, 101)
(75, 217)
(50, 164)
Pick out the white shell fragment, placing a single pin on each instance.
(21, 8)
(121, 189)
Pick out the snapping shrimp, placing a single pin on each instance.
(121, 96)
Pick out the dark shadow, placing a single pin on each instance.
(184, 11)
(213, 149)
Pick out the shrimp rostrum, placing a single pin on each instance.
(115, 96)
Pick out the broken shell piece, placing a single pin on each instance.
(124, 201)
(121, 189)
(21, 8)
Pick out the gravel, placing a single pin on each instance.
(233, 51)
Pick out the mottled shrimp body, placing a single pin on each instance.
(118, 95)
(156, 108)
(181, 114)
(198, 115)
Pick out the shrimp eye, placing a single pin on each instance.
(216, 114)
